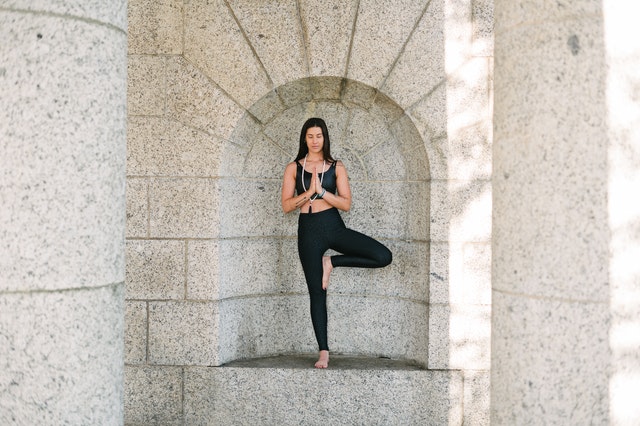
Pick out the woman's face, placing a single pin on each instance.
(315, 139)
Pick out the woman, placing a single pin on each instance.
(318, 185)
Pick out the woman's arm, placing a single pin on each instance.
(342, 198)
(289, 200)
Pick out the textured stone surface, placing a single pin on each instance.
(215, 44)
(152, 395)
(420, 66)
(169, 344)
(194, 101)
(135, 332)
(183, 208)
(250, 84)
(477, 399)
(461, 211)
(328, 34)
(137, 208)
(551, 360)
(146, 78)
(155, 269)
(376, 326)
(203, 264)
(163, 147)
(155, 27)
(61, 356)
(112, 13)
(283, 57)
(234, 395)
(459, 336)
(62, 142)
(371, 32)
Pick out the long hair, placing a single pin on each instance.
(326, 147)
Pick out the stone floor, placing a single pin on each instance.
(336, 362)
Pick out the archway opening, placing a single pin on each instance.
(262, 297)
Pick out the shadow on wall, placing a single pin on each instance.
(263, 301)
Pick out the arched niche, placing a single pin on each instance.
(263, 306)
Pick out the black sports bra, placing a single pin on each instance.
(328, 181)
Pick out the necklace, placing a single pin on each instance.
(312, 177)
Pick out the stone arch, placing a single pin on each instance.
(262, 309)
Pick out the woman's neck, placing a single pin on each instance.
(315, 157)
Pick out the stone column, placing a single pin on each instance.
(550, 348)
(62, 180)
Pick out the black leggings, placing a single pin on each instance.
(318, 232)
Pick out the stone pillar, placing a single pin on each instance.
(62, 180)
(550, 347)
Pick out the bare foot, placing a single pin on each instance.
(323, 360)
(327, 267)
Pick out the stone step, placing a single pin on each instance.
(287, 390)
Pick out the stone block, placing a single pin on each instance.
(196, 101)
(295, 92)
(137, 208)
(215, 44)
(265, 160)
(238, 216)
(253, 327)
(477, 401)
(267, 107)
(386, 162)
(146, 85)
(163, 147)
(460, 273)
(470, 152)
(155, 269)
(248, 267)
(460, 337)
(551, 356)
(461, 210)
(61, 356)
(234, 395)
(155, 27)
(63, 151)
(482, 11)
(405, 278)
(420, 66)
(152, 395)
(327, 34)
(183, 208)
(358, 94)
(183, 333)
(283, 55)
(378, 327)
(468, 95)
(135, 332)
(327, 88)
(375, 210)
(362, 127)
(430, 113)
(371, 32)
(203, 266)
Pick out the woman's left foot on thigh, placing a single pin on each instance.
(327, 267)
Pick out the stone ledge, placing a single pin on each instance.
(287, 390)
(336, 362)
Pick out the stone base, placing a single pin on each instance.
(287, 390)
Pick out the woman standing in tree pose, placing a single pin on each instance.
(318, 185)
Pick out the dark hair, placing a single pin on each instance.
(326, 147)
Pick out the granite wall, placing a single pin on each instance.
(217, 94)
(62, 221)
